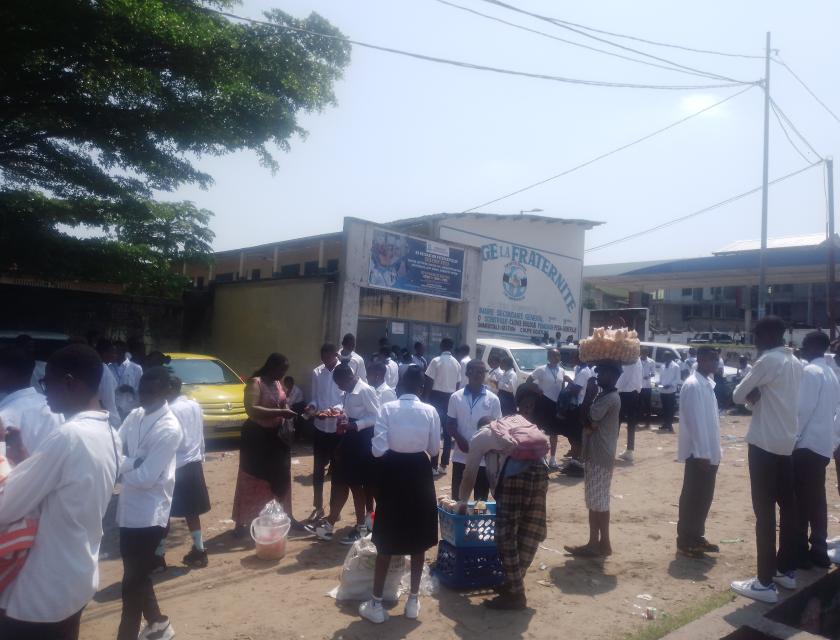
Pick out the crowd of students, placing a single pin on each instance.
(383, 446)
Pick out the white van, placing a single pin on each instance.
(526, 356)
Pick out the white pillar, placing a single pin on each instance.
(241, 275)
(321, 264)
(470, 296)
(274, 265)
(355, 253)
(211, 272)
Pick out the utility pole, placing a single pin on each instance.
(762, 267)
(831, 292)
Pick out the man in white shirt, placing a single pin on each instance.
(23, 411)
(108, 384)
(744, 367)
(462, 354)
(294, 395)
(550, 378)
(325, 395)
(772, 388)
(443, 379)
(392, 369)
(648, 377)
(467, 407)
(691, 360)
(419, 356)
(349, 355)
(629, 387)
(127, 374)
(699, 449)
(68, 480)
(819, 397)
(190, 499)
(495, 372)
(669, 379)
(376, 379)
(354, 470)
(151, 436)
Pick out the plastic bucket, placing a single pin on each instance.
(270, 538)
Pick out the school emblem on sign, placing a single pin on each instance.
(514, 281)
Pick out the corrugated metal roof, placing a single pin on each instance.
(809, 240)
(493, 216)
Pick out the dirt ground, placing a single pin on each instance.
(241, 597)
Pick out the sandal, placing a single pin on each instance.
(584, 551)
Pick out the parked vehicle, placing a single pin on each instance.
(526, 356)
(712, 337)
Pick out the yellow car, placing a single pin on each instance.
(217, 388)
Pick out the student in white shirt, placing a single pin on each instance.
(691, 360)
(648, 377)
(108, 396)
(507, 387)
(819, 397)
(495, 372)
(699, 449)
(354, 470)
(127, 374)
(669, 380)
(467, 407)
(406, 434)
(550, 378)
(376, 379)
(744, 367)
(629, 387)
(772, 388)
(462, 353)
(151, 436)
(349, 355)
(68, 480)
(325, 395)
(392, 373)
(419, 355)
(294, 395)
(23, 411)
(572, 425)
(190, 499)
(444, 379)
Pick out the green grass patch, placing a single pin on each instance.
(669, 622)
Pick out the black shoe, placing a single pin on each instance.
(666, 429)
(507, 602)
(691, 552)
(573, 470)
(820, 560)
(708, 547)
(160, 564)
(240, 531)
(196, 558)
(805, 564)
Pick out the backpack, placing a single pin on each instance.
(529, 443)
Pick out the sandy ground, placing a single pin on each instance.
(241, 597)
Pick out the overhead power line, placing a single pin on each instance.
(778, 60)
(478, 67)
(782, 116)
(609, 153)
(787, 135)
(667, 67)
(564, 25)
(694, 214)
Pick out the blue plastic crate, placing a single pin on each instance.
(468, 568)
(469, 531)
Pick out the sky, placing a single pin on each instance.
(410, 138)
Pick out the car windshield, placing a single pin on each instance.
(529, 359)
(203, 372)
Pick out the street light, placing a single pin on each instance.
(531, 211)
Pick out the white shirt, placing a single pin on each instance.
(127, 373)
(744, 371)
(508, 381)
(27, 411)
(464, 362)
(774, 425)
(392, 373)
(630, 378)
(108, 397)
(325, 395)
(188, 413)
(819, 396)
(146, 494)
(356, 363)
(670, 377)
(68, 481)
(445, 372)
(550, 380)
(648, 372)
(691, 361)
(295, 396)
(385, 393)
(38, 374)
(407, 425)
(494, 376)
(468, 411)
(419, 360)
(362, 405)
(699, 434)
(582, 375)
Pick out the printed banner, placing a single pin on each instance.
(415, 265)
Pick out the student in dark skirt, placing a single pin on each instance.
(406, 435)
(508, 383)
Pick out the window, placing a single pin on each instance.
(310, 268)
(686, 293)
(529, 359)
(288, 270)
(193, 371)
(332, 265)
(697, 294)
(255, 274)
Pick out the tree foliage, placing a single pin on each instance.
(103, 103)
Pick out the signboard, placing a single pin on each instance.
(415, 265)
(528, 292)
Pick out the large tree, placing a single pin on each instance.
(105, 102)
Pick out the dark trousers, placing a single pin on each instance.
(698, 490)
(482, 484)
(323, 454)
(669, 408)
(67, 629)
(630, 415)
(809, 486)
(137, 548)
(771, 483)
(440, 401)
(645, 405)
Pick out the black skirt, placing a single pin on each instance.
(546, 416)
(406, 519)
(190, 497)
(354, 461)
(266, 456)
(508, 402)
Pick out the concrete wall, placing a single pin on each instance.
(294, 317)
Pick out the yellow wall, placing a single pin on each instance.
(252, 319)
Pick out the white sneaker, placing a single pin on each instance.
(627, 456)
(161, 630)
(412, 607)
(752, 588)
(442, 470)
(436, 472)
(373, 611)
(324, 530)
(785, 580)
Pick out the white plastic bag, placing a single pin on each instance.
(429, 584)
(357, 574)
